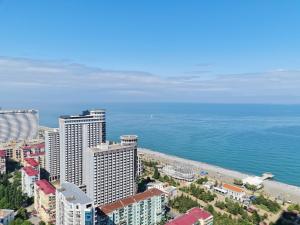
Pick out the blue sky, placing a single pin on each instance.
(199, 51)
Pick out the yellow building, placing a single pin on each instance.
(44, 201)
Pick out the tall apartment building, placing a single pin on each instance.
(77, 134)
(16, 125)
(52, 149)
(141, 209)
(73, 207)
(44, 201)
(110, 172)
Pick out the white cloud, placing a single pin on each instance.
(22, 78)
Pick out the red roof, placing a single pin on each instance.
(2, 153)
(31, 162)
(108, 208)
(38, 146)
(37, 154)
(30, 171)
(45, 186)
(190, 217)
(232, 188)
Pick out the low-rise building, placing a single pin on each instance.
(179, 172)
(2, 162)
(29, 177)
(44, 201)
(170, 191)
(234, 192)
(144, 208)
(39, 157)
(158, 185)
(73, 207)
(195, 216)
(32, 163)
(6, 216)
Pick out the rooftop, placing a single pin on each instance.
(232, 188)
(19, 111)
(38, 146)
(31, 162)
(30, 171)
(73, 194)
(108, 146)
(37, 154)
(108, 208)
(190, 217)
(5, 212)
(2, 153)
(45, 186)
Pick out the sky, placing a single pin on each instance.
(150, 51)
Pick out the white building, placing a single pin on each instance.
(77, 134)
(158, 185)
(52, 153)
(73, 207)
(234, 192)
(110, 172)
(144, 208)
(6, 216)
(29, 177)
(16, 125)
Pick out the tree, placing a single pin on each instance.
(156, 174)
(42, 223)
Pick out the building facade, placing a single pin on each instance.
(141, 209)
(2, 162)
(73, 207)
(44, 201)
(110, 172)
(29, 177)
(52, 149)
(234, 192)
(77, 134)
(195, 216)
(18, 125)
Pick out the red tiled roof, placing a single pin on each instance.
(2, 153)
(108, 208)
(190, 217)
(45, 186)
(37, 154)
(30, 171)
(232, 188)
(31, 162)
(38, 146)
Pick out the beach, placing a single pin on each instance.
(272, 188)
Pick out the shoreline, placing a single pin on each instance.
(272, 188)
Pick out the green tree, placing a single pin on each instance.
(156, 174)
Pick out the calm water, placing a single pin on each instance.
(247, 138)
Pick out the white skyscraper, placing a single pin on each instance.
(77, 134)
(52, 149)
(110, 171)
(18, 125)
(73, 207)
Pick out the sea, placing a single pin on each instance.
(248, 138)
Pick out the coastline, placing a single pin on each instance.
(272, 188)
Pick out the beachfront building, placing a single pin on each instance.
(77, 134)
(110, 172)
(157, 184)
(73, 207)
(6, 216)
(144, 208)
(44, 201)
(179, 172)
(29, 177)
(16, 125)
(195, 216)
(2, 162)
(253, 181)
(52, 149)
(234, 192)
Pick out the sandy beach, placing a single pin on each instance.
(272, 188)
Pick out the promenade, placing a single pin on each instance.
(272, 188)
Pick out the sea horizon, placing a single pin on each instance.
(248, 138)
